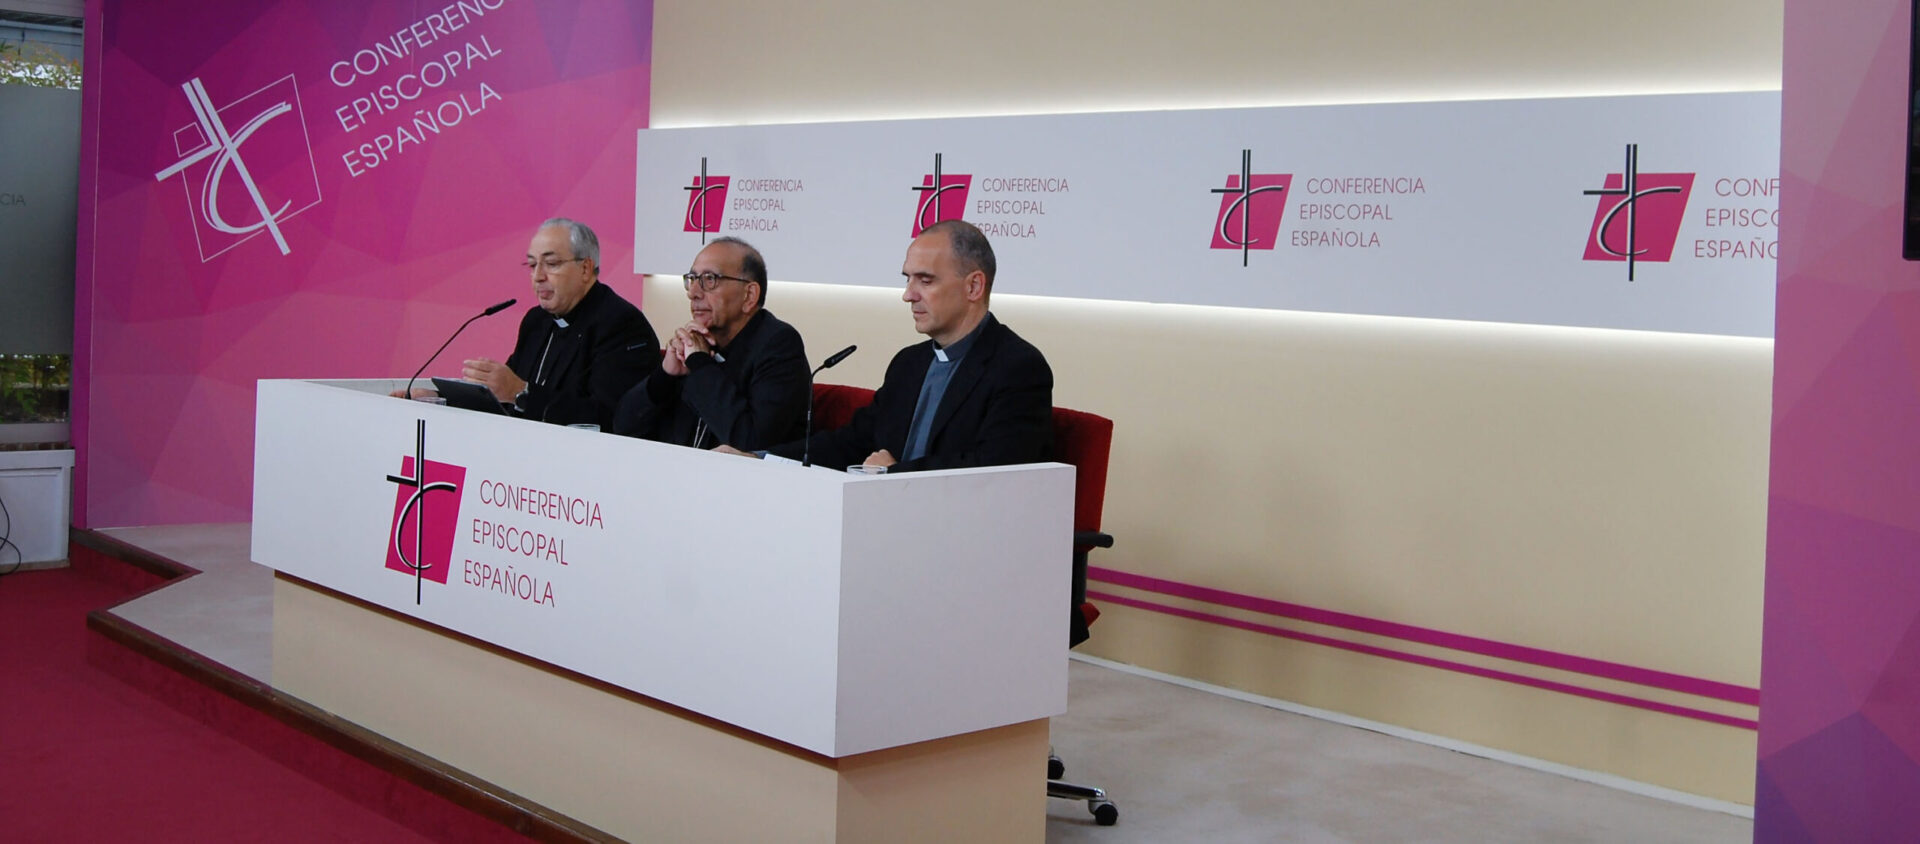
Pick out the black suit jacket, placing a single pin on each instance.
(753, 399)
(997, 410)
(606, 347)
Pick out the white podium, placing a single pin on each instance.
(585, 618)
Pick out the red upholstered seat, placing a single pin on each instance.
(834, 404)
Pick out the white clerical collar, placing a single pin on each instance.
(959, 347)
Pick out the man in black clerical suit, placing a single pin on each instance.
(733, 375)
(581, 348)
(975, 394)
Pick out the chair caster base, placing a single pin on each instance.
(1104, 813)
(1103, 810)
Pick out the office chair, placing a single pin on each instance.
(1084, 441)
(834, 404)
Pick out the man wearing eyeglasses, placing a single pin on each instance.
(581, 348)
(975, 394)
(734, 374)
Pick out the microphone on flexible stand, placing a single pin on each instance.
(806, 443)
(456, 332)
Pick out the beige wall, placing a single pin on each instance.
(731, 62)
(1598, 493)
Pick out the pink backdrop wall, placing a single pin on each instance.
(400, 218)
(1840, 673)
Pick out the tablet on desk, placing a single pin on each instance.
(471, 395)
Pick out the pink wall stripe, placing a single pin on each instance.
(1427, 636)
(1431, 662)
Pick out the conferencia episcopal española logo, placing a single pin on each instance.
(244, 167)
(517, 557)
(735, 205)
(1638, 217)
(420, 537)
(247, 167)
(1338, 211)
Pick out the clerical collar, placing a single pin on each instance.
(947, 354)
(592, 294)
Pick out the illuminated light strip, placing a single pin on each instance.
(692, 116)
(1431, 662)
(1452, 641)
(1263, 317)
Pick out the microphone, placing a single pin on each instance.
(835, 358)
(456, 332)
(806, 441)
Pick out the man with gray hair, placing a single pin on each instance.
(581, 348)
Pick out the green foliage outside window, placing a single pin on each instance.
(37, 65)
(34, 388)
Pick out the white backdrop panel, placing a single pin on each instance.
(1462, 210)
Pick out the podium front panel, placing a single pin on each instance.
(767, 596)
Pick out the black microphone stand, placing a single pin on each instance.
(456, 333)
(806, 441)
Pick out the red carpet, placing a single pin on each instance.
(87, 757)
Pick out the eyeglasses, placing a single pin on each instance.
(551, 265)
(709, 281)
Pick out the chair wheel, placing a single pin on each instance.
(1056, 768)
(1104, 813)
